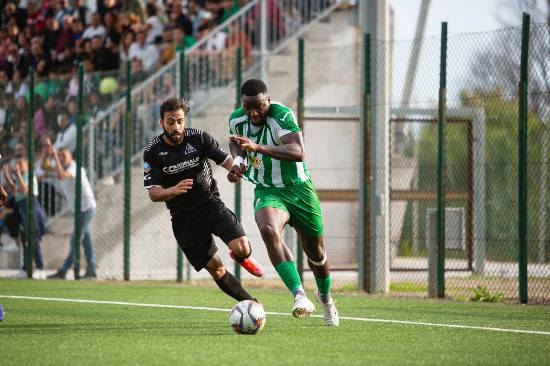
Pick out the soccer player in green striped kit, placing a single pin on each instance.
(268, 150)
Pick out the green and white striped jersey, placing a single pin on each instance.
(264, 170)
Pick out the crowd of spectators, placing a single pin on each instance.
(53, 36)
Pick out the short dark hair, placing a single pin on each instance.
(253, 87)
(173, 104)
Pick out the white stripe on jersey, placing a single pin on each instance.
(153, 142)
(301, 171)
(233, 123)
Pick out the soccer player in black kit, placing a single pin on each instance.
(177, 171)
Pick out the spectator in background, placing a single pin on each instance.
(133, 7)
(102, 58)
(66, 137)
(94, 105)
(46, 174)
(178, 18)
(147, 54)
(65, 168)
(61, 10)
(95, 28)
(64, 41)
(17, 178)
(20, 87)
(40, 126)
(111, 28)
(77, 30)
(80, 12)
(127, 39)
(153, 24)
(72, 109)
(50, 114)
(108, 6)
(21, 113)
(197, 15)
(215, 43)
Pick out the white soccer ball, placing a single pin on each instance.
(247, 317)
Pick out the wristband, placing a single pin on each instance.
(238, 161)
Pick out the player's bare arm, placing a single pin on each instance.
(292, 148)
(159, 194)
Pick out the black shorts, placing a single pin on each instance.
(194, 230)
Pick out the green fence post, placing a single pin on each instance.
(441, 165)
(238, 194)
(181, 95)
(30, 174)
(300, 107)
(78, 178)
(364, 180)
(127, 169)
(522, 163)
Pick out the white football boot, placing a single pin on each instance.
(302, 307)
(331, 314)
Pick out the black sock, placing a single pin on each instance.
(231, 286)
(240, 259)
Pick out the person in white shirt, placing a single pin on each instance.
(95, 28)
(153, 23)
(148, 54)
(66, 175)
(46, 174)
(66, 137)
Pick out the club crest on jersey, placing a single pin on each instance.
(189, 149)
(146, 168)
(255, 161)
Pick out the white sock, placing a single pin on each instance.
(299, 292)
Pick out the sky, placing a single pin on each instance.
(463, 16)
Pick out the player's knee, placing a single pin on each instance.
(270, 233)
(240, 247)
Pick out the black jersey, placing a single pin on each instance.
(165, 166)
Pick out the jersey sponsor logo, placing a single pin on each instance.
(255, 161)
(189, 149)
(162, 153)
(174, 169)
(146, 168)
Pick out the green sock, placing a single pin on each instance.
(323, 285)
(289, 274)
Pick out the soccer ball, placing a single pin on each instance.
(247, 317)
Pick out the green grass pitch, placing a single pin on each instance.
(39, 332)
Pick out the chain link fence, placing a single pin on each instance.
(331, 133)
(481, 171)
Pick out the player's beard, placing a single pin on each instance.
(172, 137)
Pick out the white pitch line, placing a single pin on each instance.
(371, 320)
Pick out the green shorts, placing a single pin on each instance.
(300, 201)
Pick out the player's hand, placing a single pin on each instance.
(244, 143)
(3, 196)
(183, 186)
(236, 172)
(233, 177)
